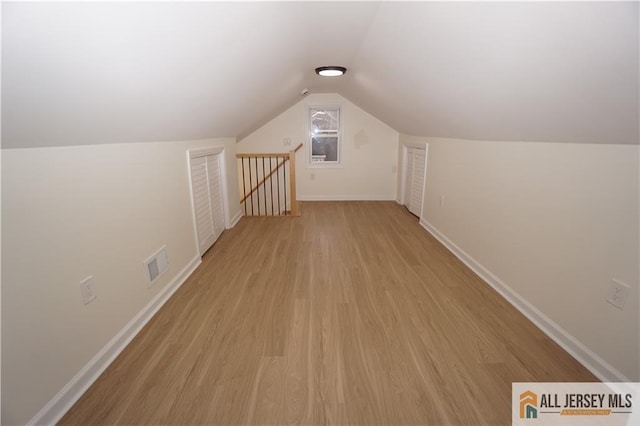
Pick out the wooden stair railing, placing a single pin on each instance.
(264, 180)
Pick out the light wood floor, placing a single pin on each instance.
(349, 314)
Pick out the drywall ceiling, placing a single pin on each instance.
(91, 73)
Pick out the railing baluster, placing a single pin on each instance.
(271, 182)
(278, 186)
(257, 192)
(264, 189)
(251, 186)
(257, 196)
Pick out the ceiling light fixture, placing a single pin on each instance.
(331, 71)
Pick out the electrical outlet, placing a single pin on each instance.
(441, 201)
(617, 294)
(286, 141)
(312, 176)
(87, 290)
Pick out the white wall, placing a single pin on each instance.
(552, 222)
(71, 212)
(368, 159)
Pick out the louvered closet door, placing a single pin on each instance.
(417, 181)
(202, 203)
(408, 178)
(215, 192)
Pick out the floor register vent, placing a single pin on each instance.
(156, 265)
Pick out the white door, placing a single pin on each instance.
(208, 201)
(202, 203)
(416, 163)
(214, 174)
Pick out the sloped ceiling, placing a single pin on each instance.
(91, 73)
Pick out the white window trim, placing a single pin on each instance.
(330, 164)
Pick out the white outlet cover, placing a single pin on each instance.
(87, 289)
(617, 294)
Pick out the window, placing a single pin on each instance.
(325, 135)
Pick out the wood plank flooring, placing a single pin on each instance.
(350, 314)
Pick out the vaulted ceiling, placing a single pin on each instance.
(91, 73)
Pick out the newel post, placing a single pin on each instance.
(292, 170)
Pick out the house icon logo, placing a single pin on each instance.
(528, 405)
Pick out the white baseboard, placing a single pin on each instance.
(56, 408)
(346, 198)
(235, 219)
(599, 367)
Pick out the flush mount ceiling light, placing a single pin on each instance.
(331, 71)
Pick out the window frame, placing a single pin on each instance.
(337, 134)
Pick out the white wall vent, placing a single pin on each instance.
(156, 265)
